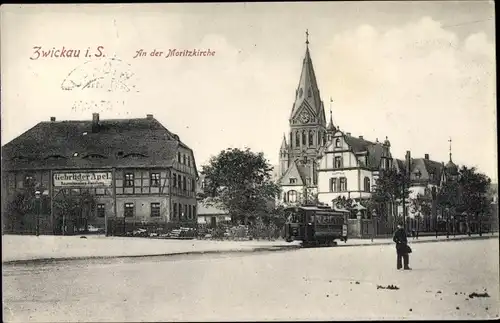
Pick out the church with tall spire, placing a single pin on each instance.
(319, 162)
(308, 133)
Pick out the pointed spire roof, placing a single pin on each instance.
(307, 90)
(450, 166)
(283, 143)
(331, 127)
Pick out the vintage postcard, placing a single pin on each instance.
(268, 161)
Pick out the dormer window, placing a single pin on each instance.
(293, 181)
(418, 174)
(337, 143)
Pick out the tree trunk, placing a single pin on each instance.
(478, 216)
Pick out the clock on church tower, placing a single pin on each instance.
(305, 117)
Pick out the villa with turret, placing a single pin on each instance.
(321, 160)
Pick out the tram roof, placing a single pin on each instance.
(315, 208)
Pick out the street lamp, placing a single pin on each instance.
(37, 198)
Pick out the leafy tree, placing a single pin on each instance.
(239, 181)
(76, 209)
(344, 203)
(473, 194)
(309, 197)
(23, 203)
(447, 198)
(421, 205)
(392, 186)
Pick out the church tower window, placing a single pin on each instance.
(297, 139)
(311, 138)
(303, 138)
(290, 141)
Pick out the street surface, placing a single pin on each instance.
(338, 283)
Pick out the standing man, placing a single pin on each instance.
(402, 248)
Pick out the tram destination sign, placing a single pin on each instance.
(83, 179)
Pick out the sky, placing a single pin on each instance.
(419, 73)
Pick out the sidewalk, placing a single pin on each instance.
(18, 248)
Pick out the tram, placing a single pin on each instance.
(316, 225)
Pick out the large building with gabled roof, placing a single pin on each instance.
(138, 170)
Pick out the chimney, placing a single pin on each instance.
(52, 119)
(95, 122)
(360, 137)
(149, 116)
(348, 134)
(408, 161)
(426, 156)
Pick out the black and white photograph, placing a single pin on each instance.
(249, 161)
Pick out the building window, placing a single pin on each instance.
(203, 184)
(337, 162)
(175, 211)
(129, 210)
(308, 180)
(333, 185)
(179, 157)
(303, 138)
(184, 184)
(291, 141)
(343, 184)
(174, 180)
(155, 210)
(193, 185)
(179, 181)
(311, 138)
(184, 159)
(194, 211)
(292, 196)
(155, 179)
(190, 212)
(185, 214)
(293, 181)
(367, 184)
(337, 143)
(129, 179)
(189, 160)
(101, 210)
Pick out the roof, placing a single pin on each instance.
(308, 82)
(295, 170)
(375, 149)
(73, 145)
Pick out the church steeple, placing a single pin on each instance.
(307, 93)
(331, 126)
(284, 146)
